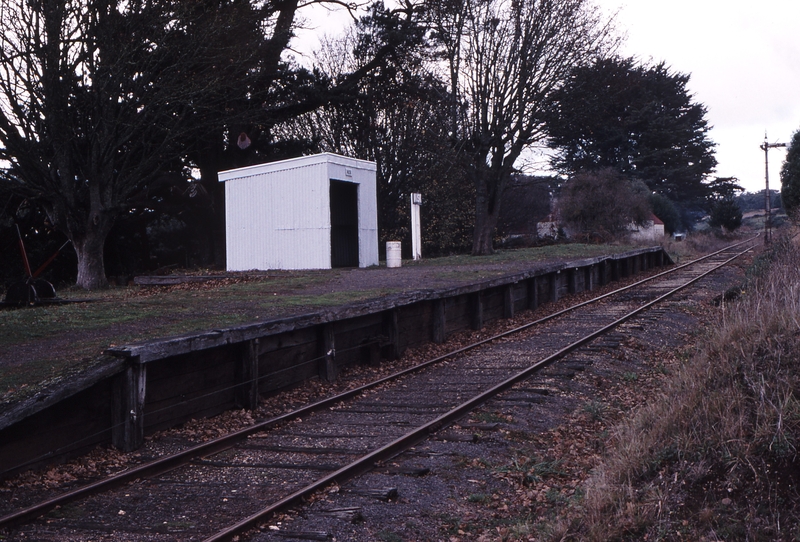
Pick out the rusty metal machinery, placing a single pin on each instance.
(33, 290)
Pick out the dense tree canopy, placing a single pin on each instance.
(725, 210)
(790, 177)
(666, 210)
(726, 213)
(640, 120)
(754, 201)
(94, 95)
(103, 101)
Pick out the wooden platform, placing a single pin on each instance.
(149, 386)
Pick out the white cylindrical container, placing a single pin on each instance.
(393, 254)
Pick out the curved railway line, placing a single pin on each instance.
(279, 462)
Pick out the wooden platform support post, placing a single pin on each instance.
(508, 301)
(127, 431)
(391, 324)
(476, 312)
(327, 366)
(439, 333)
(370, 353)
(588, 283)
(602, 273)
(554, 286)
(615, 270)
(660, 258)
(247, 376)
(533, 293)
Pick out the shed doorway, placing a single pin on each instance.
(344, 224)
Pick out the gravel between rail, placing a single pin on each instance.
(509, 483)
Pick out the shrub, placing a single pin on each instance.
(602, 204)
(790, 178)
(665, 209)
(726, 214)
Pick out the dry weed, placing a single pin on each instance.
(716, 457)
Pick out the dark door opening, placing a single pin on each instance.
(344, 224)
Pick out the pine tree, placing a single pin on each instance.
(790, 178)
(640, 120)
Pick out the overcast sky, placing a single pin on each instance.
(744, 62)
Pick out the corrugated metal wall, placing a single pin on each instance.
(278, 215)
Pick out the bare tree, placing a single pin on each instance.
(397, 117)
(504, 58)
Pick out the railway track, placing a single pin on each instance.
(247, 476)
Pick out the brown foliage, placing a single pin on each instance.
(602, 204)
(716, 456)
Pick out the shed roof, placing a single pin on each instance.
(294, 163)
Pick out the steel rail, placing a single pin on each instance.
(401, 444)
(165, 464)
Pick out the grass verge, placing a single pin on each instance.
(716, 456)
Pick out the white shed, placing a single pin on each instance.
(313, 212)
(652, 231)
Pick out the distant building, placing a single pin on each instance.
(313, 212)
(548, 228)
(652, 230)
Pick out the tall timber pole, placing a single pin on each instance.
(766, 146)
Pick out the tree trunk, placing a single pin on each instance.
(215, 225)
(91, 265)
(219, 233)
(485, 223)
(489, 188)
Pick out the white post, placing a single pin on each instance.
(416, 230)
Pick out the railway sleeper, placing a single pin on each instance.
(416, 472)
(281, 466)
(558, 372)
(576, 366)
(382, 493)
(456, 437)
(305, 535)
(480, 426)
(352, 514)
(537, 399)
